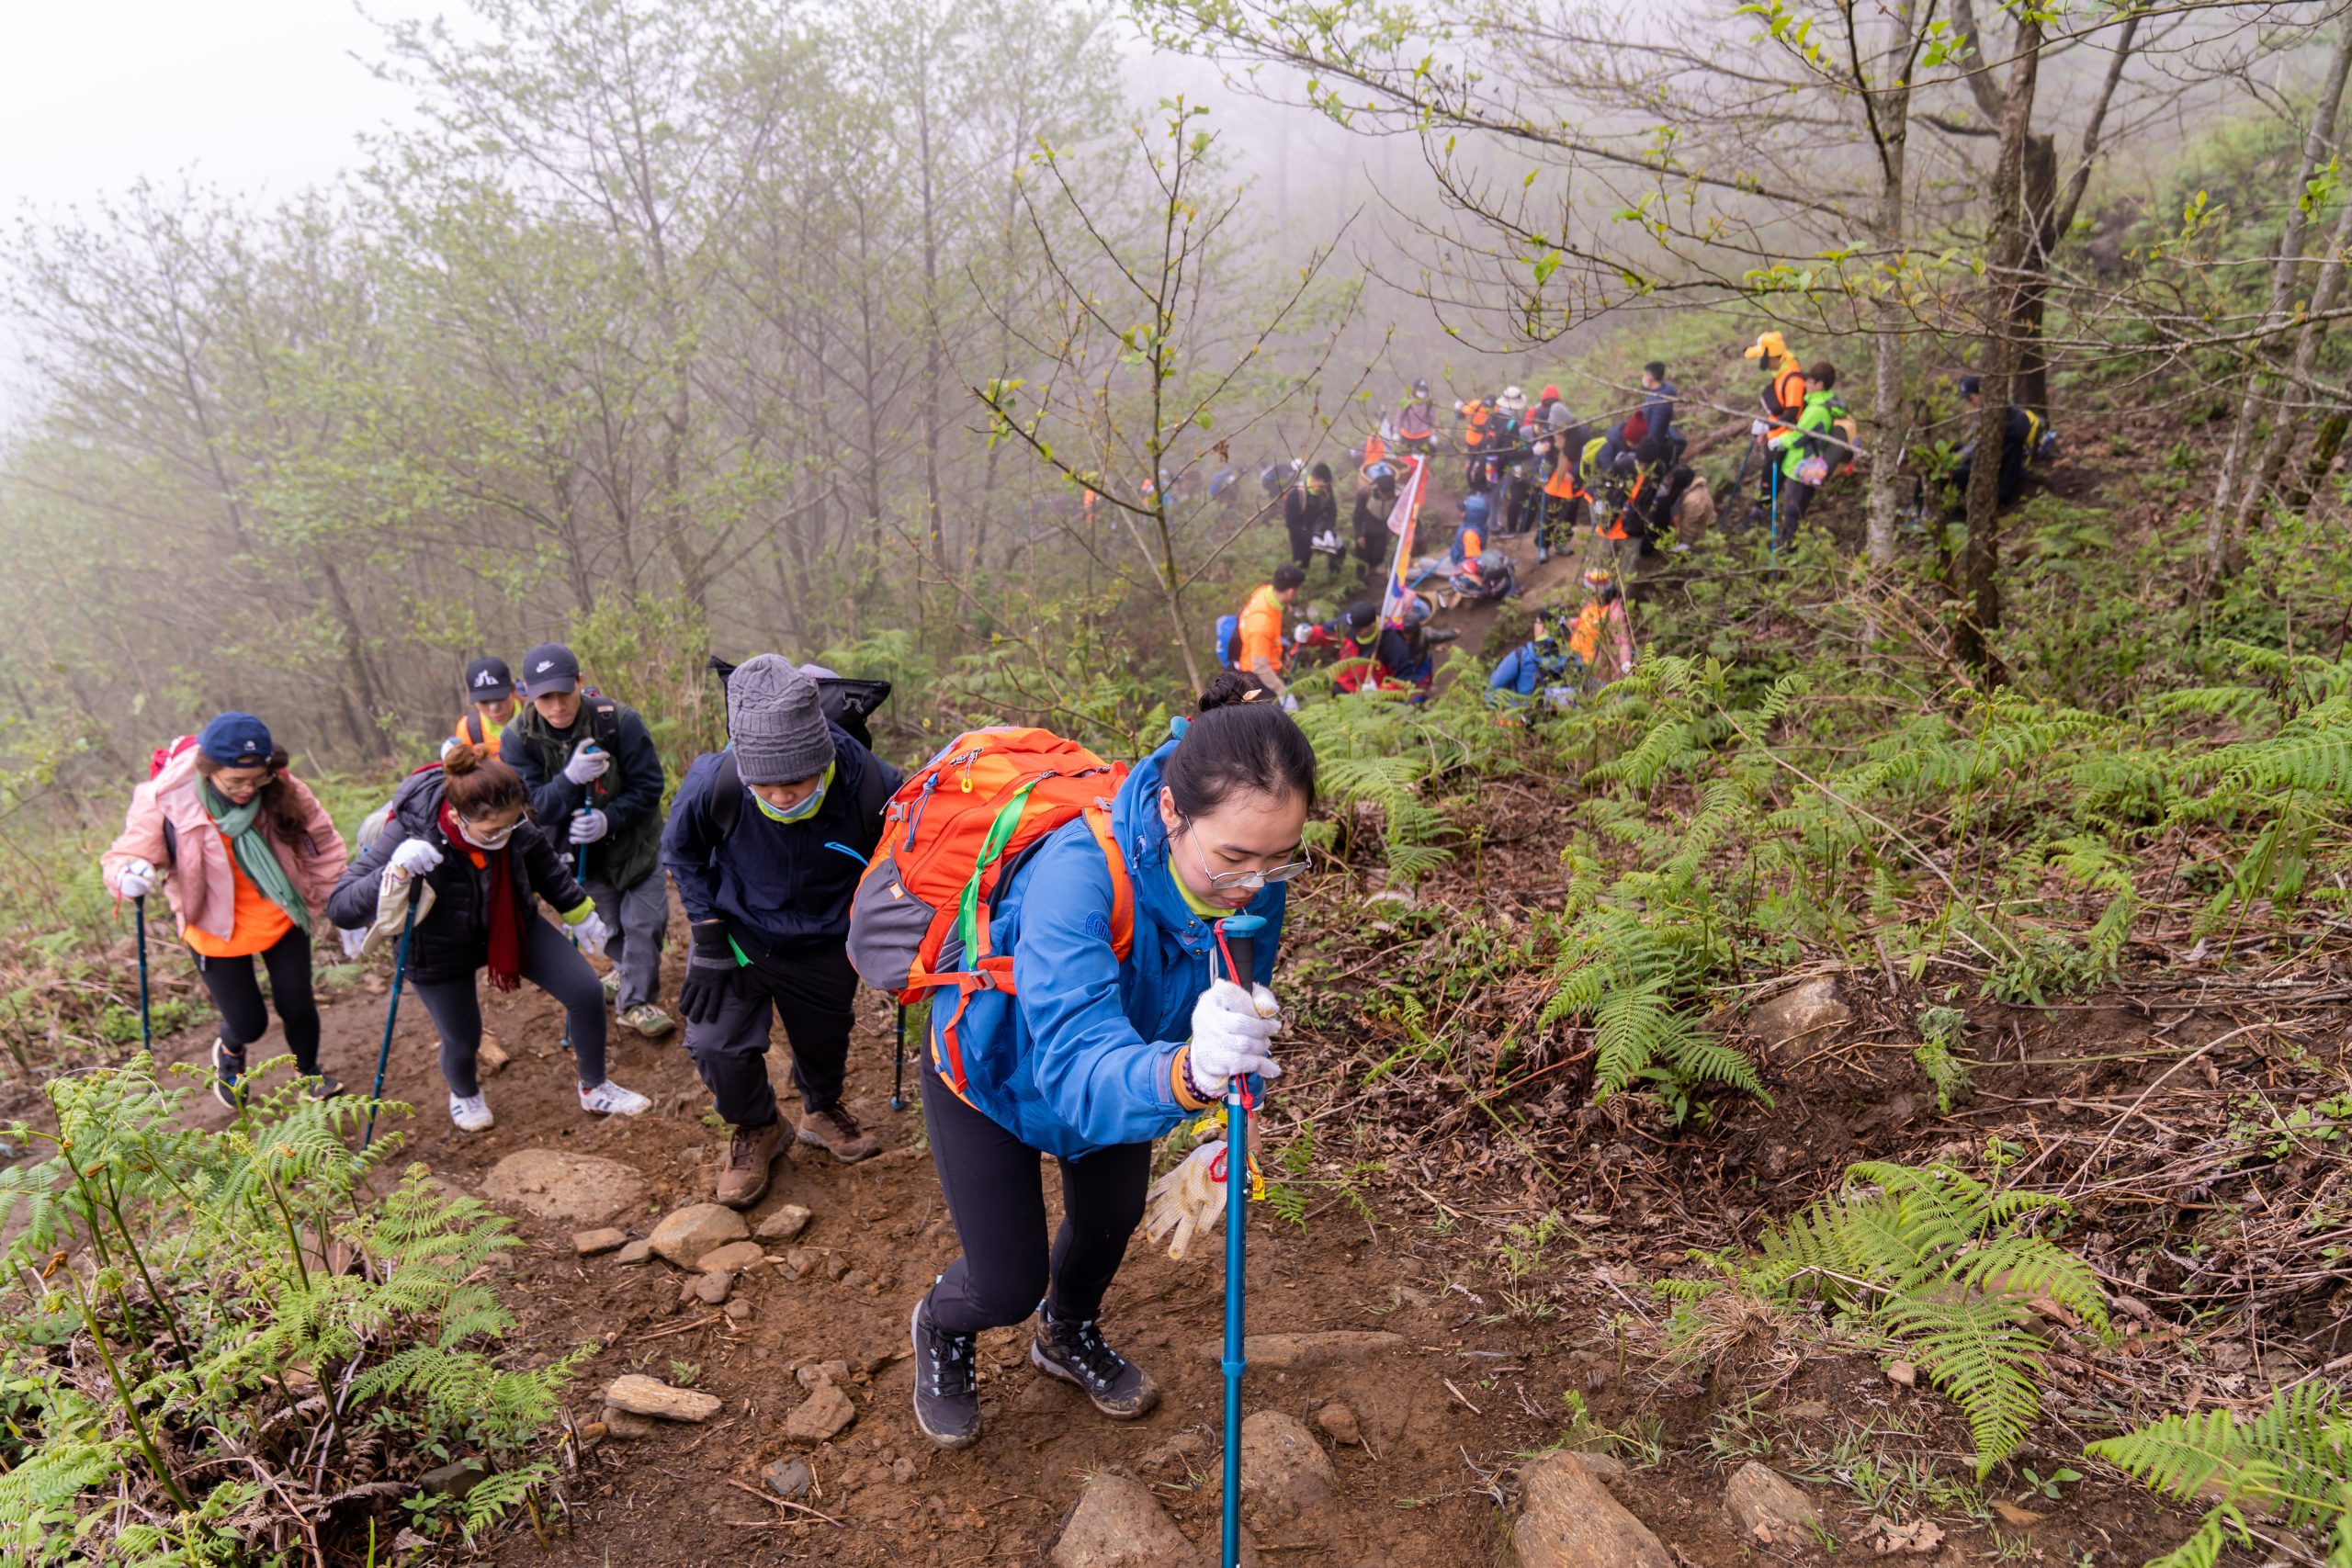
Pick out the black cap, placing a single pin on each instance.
(1970, 386)
(549, 668)
(488, 681)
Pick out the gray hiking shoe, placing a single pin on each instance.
(947, 1401)
(1077, 1353)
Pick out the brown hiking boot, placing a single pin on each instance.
(743, 1180)
(835, 1130)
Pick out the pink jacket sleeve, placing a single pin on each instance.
(141, 838)
(320, 870)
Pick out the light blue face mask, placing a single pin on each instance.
(802, 812)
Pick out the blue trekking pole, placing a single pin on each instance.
(391, 1011)
(1235, 939)
(146, 1020)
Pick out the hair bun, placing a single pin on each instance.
(1231, 686)
(463, 760)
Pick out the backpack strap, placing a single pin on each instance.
(726, 795)
(987, 971)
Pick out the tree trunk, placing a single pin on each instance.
(2012, 235)
(1890, 432)
(2032, 389)
(2285, 267)
(2329, 442)
(2286, 423)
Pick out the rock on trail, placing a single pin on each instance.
(566, 1188)
(1567, 1519)
(687, 1235)
(1119, 1524)
(1769, 1508)
(1799, 1014)
(639, 1396)
(1287, 1478)
(1295, 1352)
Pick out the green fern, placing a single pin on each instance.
(1941, 1262)
(2291, 1461)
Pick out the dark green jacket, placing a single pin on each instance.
(630, 794)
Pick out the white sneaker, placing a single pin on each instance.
(609, 1099)
(471, 1112)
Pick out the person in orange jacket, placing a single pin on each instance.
(1261, 640)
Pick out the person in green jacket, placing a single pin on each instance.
(1805, 457)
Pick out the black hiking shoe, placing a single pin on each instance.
(947, 1407)
(1076, 1352)
(322, 1085)
(228, 1075)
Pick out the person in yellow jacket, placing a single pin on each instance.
(491, 685)
(1778, 405)
(1260, 641)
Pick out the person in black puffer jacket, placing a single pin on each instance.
(461, 828)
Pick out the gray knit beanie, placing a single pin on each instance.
(776, 722)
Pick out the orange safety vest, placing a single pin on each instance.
(1614, 528)
(1562, 485)
(474, 732)
(1788, 391)
(1475, 411)
(1374, 449)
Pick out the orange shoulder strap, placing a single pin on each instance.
(1123, 890)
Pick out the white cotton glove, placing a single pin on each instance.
(1300, 632)
(1757, 427)
(1231, 1029)
(590, 935)
(1289, 703)
(1188, 1200)
(391, 910)
(587, 827)
(588, 763)
(135, 880)
(413, 858)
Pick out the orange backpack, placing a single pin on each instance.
(950, 838)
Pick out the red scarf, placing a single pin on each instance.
(505, 913)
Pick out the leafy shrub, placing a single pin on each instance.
(225, 1343)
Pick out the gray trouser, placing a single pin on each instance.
(640, 918)
(550, 963)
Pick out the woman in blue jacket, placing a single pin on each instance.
(1091, 1059)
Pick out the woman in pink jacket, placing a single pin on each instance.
(248, 858)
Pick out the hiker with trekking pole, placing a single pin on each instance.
(594, 779)
(766, 842)
(246, 857)
(457, 869)
(1078, 1009)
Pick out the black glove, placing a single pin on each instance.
(712, 973)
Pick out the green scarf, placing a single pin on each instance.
(241, 825)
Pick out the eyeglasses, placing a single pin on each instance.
(1250, 881)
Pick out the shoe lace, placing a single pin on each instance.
(740, 1150)
(1082, 1343)
(950, 1357)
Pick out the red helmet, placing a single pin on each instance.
(1551, 394)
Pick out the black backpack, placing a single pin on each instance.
(847, 701)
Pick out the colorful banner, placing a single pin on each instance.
(1402, 520)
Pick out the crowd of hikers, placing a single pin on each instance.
(1064, 914)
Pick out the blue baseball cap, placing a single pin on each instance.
(236, 741)
(549, 668)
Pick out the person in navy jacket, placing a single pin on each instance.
(766, 842)
(1092, 1059)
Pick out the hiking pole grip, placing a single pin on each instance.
(146, 1020)
(1236, 947)
(391, 1011)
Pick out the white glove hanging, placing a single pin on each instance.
(1188, 1200)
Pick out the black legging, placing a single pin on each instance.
(991, 1181)
(245, 1018)
(555, 967)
